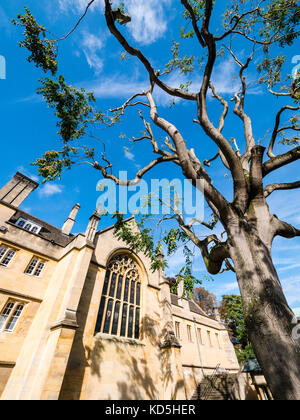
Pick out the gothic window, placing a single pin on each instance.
(10, 315)
(120, 310)
(6, 255)
(35, 267)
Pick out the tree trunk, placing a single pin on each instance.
(269, 319)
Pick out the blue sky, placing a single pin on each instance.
(91, 58)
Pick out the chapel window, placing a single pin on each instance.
(120, 311)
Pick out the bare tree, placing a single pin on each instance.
(248, 221)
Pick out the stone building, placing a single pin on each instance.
(82, 317)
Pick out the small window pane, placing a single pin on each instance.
(132, 291)
(31, 266)
(116, 319)
(106, 281)
(2, 252)
(8, 258)
(130, 322)
(13, 320)
(21, 223)
(34, 229)
(120, 285)
(137, 324)
(100, 316)
(108, 317)
(5, 314)
(124, 320)
(126, 290)
(138, 294)
(39, 269)
(113, 285)
(28, 226)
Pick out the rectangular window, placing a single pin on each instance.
(35, 267)
(189, 333)
(200, 336)
(177, 330)
(6, 255)
(10, 316)
(209, 338)
(218, 341)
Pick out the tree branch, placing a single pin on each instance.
(281, 160)
(190, 164)
(239, 99)
(286, 230)
(240, 186)
(139, 175)
(276, 128)
(137, 53)
(189, 8)
(237, 21)
(285, 186)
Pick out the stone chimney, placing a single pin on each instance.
(216, 313)
(69, 223)
(17, 189)
(93, 226)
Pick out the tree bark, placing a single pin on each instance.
(269, 319)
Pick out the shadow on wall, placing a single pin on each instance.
(80, 355)
(149, 370)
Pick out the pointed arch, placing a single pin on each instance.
(120, 307)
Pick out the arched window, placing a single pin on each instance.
(120, 307)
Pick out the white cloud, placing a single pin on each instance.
(149, 20)
(128, 154)
(117, 87)
(79, 5)
(91, 45)
(291, 287)
(50, 189)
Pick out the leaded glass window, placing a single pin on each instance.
(120, 311)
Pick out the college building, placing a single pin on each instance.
(84, 318)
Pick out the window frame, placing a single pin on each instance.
(11, 315)
(34, 227)
(200, 336)
(189, 333)
(218, 341)
(7, 254)
(210, 343)
(177, 330)
(122, 272)
(39, 261)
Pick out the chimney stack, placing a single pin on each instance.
(69, 223)
(17, 189)
(93, 226)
